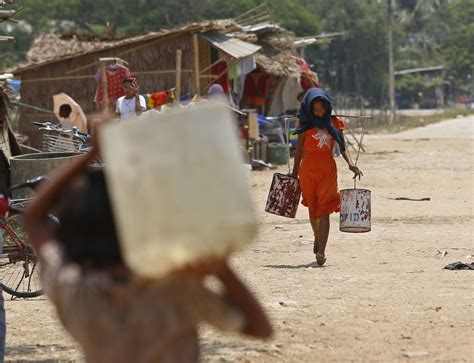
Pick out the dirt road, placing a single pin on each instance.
(383, 296)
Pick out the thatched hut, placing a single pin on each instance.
(57, 65)
(281, 72)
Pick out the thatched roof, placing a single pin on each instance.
(52, 48)
(273, 59)
(282, 64)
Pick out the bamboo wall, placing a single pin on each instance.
(40, 84)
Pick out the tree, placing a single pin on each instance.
(428, 32)
(457, 45)
(359, 57)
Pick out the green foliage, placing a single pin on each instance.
(413, 83)
(457, 46)
(427, 32)
(356, 62)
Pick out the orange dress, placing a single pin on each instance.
(318, 172)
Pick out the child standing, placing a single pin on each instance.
(65, 111)
(115, 315)
(132, 104)
(315, 166)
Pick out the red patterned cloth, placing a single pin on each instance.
(115, 76)
(308, 79)
(220, 69)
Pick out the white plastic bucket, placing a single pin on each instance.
(355, 215)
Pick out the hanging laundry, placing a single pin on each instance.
(285, 96)
(309, 79)
(220, 70)
(256, 88)
(159, 99)
(149, 101)
(233, 69)
(247, 65)
(116, 73)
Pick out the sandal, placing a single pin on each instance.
(320, 259)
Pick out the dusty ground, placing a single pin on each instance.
(383, 296)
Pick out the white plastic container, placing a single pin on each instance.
(355, 215)
(178, 188)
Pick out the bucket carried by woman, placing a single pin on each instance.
(356, 208)
(285, 193)
(355, 211)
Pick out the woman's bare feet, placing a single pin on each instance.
(320, 259)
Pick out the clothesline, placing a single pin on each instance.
(70, 78)
(16, 103)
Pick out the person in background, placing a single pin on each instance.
(65, 111)
(132, 104)
(314, 164)
(115, 315)
(216, 92)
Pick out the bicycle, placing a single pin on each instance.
(19, 275)
(57, 139)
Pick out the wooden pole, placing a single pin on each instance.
(105, 86)
(391, 69)
(197, 80)
(215, 79)
(179, 54)
(355, 138)
(355, 116)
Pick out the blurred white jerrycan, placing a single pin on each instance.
(178, 188)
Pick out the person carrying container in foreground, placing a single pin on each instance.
(132, 104)
(317, 132)
(115, 315)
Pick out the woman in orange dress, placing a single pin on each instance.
(318, 132)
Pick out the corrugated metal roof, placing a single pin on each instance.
(263, 27)
(234, 47)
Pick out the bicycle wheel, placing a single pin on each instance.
(19, 275)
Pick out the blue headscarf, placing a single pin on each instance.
(308, 121)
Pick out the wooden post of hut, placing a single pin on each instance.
(105, 85)
(197, 80)
(179, 55)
